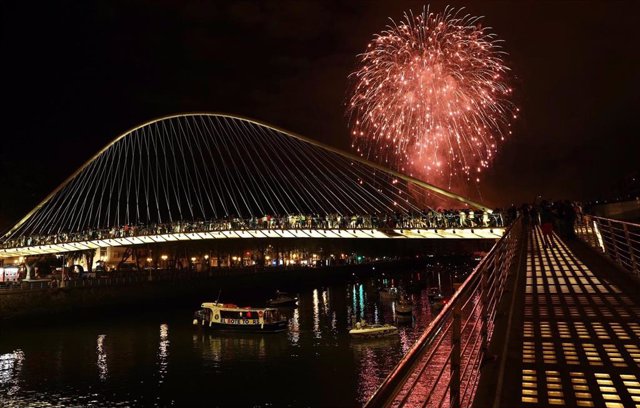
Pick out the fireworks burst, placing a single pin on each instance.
(431, 97)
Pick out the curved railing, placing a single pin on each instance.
(618, 240)
(442, 368)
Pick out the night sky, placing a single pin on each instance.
(77, 74)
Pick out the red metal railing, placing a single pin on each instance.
(442, 368)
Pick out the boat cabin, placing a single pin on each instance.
(227, 313)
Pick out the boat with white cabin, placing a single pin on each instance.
(230, 317)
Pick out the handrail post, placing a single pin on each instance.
(454, 392)
(634, 266)
(613, 242)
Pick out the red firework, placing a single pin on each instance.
(431, 98)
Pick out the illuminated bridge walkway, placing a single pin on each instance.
(192, 167)
(411, 233)
(579, 337)
(562, 322)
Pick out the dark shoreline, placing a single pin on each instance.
(47, 306)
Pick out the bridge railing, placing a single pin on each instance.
(442, 368)
(618, 240)
(428, 220)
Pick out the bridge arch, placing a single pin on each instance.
(195, 166)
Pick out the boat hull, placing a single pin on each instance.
(373, 333)
(282, 303)
(404, 310)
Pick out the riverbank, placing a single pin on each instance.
(176, 288)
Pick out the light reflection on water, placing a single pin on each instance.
(316, 316)
(163, 352)
(294, 327)
(10, 367)
(103, 370)
(160, 359)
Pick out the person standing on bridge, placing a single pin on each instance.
(462, 219)
(546, 219)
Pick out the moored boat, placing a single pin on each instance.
(365, 330)
(230, 317)
(404, 306)
(388, 293)
(434, 295)
(283, 299)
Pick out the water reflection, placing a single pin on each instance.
(358, 298)
(10, 367)
(132, 358)
(294, 327)
(325, 301)
(376, 356)
(221, 347)
(102, 358)
(163, 352)
(316, 316)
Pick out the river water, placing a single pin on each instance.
(156, 358)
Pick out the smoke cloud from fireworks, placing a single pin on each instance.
(431, 97)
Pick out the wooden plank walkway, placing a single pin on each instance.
(580, 344)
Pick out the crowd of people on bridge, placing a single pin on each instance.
(557, 216)
(426, 219)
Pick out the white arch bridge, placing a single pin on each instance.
(203, 176)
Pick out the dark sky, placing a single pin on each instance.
(77, 74)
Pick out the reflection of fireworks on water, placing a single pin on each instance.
(430, 97)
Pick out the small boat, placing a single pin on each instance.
(434, 295)
(283, 299)
(365, 330)
(388, 293)
(230, 317)
(404, 306)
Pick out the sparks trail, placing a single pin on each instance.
(431, 97)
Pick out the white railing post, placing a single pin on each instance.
(632, 257)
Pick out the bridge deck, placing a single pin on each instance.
(359, 233)
(579, 337)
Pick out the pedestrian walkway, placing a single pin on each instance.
(580, 344)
